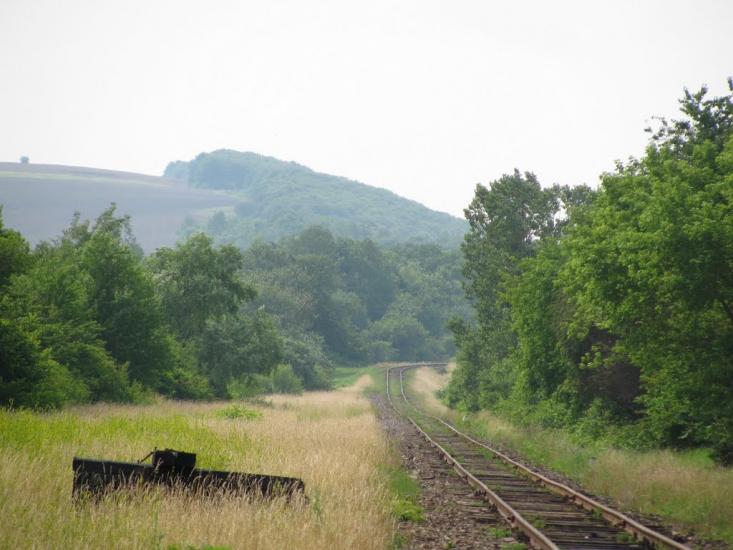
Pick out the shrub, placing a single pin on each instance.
(238, 411)
(407, 510)
(284, 380)
(315, 377)
(248, 386)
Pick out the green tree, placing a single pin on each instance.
(506, 221)
(29, 377)
(55, 293)
(368, 273)
(654, 266)
(618, 313)
(337, 299)
(14, 253)
(123, 297)
(405, 334)
(284, 380)
(235, 347)
(197, 282)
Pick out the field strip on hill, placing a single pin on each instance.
(80, 178)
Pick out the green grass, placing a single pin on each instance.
(406, 494)
(238, 411)
(405, 490)
(625, 538)
(346, 376)
(135, 435)
(499, 532)
(536, 521)
(41, 446)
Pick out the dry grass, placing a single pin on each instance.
(693, 494)
(331, 440)
(424, 383)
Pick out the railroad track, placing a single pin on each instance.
(551, 515)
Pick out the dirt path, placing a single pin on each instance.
(454, 516)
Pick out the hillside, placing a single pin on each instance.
(282, 198)
(39, 201)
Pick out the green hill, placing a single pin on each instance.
(279, 198)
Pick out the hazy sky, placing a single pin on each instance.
(425, 98)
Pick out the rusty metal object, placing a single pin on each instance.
(550, 514)
(176, 469)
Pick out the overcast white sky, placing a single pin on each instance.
(425, 98)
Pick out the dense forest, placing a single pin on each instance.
(279, 199)
(609, 312)
(88, 317)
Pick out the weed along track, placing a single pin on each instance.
(549, 514)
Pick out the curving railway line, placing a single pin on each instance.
(549, 514)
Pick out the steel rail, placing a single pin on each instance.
(614, 517)
(510, 515)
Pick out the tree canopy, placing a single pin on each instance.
(610, 311)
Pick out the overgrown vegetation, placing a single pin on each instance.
(610, 312)
(406, 495)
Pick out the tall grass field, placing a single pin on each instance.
(331, 440)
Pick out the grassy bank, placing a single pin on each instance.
(348, 376)
(685, 489)
(330, 439)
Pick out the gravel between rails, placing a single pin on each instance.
(454, 516)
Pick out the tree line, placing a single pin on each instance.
(88, 317)
(349, 301)
(609, 312)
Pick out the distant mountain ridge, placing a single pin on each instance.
(279, 198)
